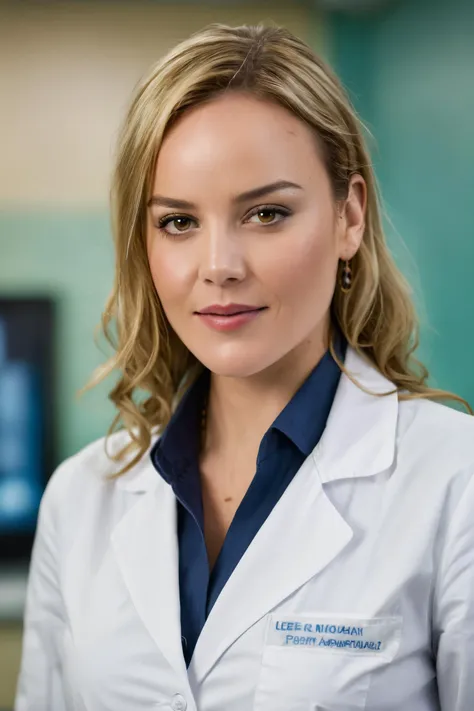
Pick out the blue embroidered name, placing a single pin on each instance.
(360, 636)
(318, 628)
(374, 646)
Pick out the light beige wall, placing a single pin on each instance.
(66, 73)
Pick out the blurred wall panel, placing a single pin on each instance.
(410, 70)
(66, 74)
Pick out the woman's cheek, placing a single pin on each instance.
(170, 274)
(306, 269)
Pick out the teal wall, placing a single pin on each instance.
(410, 71)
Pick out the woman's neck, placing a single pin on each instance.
(240, 410)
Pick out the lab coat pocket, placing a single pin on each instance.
(323, 661)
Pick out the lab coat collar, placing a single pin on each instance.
(359, 441)
(141, 478)
(360, 435)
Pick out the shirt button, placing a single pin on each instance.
(178, 703)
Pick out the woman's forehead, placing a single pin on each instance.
(236, 141)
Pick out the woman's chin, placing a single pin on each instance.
(239, 364)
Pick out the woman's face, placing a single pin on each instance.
(242, 216)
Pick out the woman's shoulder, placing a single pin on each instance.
(92, 472)
(436, 433)
(424, 413)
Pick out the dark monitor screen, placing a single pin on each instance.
(27, 377)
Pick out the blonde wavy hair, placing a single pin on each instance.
(377, 315)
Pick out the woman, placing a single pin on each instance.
(301, 536)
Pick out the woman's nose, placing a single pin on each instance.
(222, 258)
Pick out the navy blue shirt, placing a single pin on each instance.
(283, 449)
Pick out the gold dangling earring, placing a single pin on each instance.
(345, 278)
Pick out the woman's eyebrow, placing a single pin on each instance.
(163, 201)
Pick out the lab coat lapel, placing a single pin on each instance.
(302, 535)
(146, 549)
(305, 532)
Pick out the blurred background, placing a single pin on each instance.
(66, 74)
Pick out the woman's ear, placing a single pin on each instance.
(352, 218)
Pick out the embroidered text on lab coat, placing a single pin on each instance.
(371, 636)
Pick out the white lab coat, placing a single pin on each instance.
(371, 546)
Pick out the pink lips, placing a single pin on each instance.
(229, 317)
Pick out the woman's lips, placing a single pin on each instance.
(231, 322)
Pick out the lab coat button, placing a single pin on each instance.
(178, 703)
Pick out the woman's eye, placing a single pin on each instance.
(175, 225)
(268, 216)
(181, 224)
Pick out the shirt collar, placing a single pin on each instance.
(304, 418)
